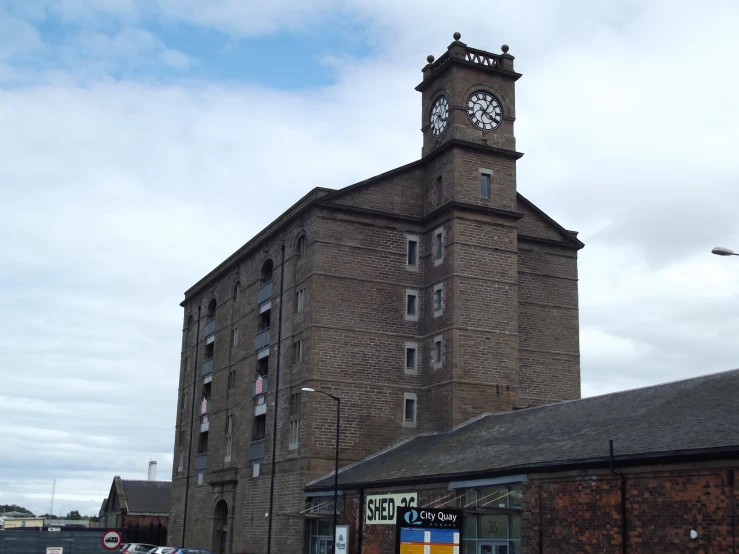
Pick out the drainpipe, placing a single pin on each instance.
(195, 367)
(730, 481)
(623, 497)
(277, 398)
(361, 520)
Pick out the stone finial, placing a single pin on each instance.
(430, 58)
(457, 35)
(505, 48)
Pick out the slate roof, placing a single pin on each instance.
(146, 497)
(683, 418)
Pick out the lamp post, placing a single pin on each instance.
(336, 466)
(719, 251)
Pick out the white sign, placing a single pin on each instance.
(380, 509)
(53, 529)
(54, 550)
(342, 539)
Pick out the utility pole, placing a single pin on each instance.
(53, 490)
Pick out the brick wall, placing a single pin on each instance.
(581, 513)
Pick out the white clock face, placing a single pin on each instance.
(439, 116)
(484, 110)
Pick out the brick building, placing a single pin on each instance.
(139, 508)
(422, 297)
(539, 480)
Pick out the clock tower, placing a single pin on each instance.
(469, 96)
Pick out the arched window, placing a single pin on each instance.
(237, 290)
(300, 246)
(267, 272)
(189, 321)
(212, 309)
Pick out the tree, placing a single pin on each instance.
(14, 508)
(74, 515)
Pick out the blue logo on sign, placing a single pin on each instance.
(411, 517)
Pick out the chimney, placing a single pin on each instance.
(152, 470)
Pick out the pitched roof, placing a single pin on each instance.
(146, 497)
(687, 417)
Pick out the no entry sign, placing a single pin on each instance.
(112, 540)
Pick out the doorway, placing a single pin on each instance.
(220, 528)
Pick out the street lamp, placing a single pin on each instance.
(719, 251)
(336, 467)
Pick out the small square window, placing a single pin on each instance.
(411, 305)
(409, 409)
(411, 260)
(438, 245)
(411, 358)
(438, 299)
(437, 352)
(300, 300)
(485, 185)
(439, 190)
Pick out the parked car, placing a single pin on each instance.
(192, 551)
(163, 550)
(137, 548)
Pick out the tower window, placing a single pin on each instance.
(409, 409)
(411, 358)
(411, 261)
(258, 428)
(237, 290)
(439, 190)
(300, 301)
(212, 309)
(300, 246)
(438, 245)
(485, 185)
(411, 305)
(438, 299)
(234, 336)
(232, 379)
(294, 421)
(436, 352)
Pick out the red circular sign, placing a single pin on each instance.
(112, 540)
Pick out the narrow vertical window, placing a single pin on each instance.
(234, 336)
(438, 299)
(229, 437)
(411, 358)
(485, 185)
(181, 461)
(237, 290)
(300, 300)
(411, 305)
(439, 190)
(232, 379)
(411, 260)
(294, 421)
(409, 409)
(298, 351)
(438, 245)
(436, 352)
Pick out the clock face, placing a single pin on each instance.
(484, 110)
(439, 116)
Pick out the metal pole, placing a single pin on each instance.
(277, 396)
(192, 422)
(336, 470)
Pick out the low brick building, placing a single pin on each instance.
(540, 480)
(139, 508)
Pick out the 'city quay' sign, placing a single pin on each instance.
(380, 509)
(428, 530)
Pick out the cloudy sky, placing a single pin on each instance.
(139, 138)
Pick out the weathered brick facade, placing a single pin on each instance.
(507, 320)
(579, 512)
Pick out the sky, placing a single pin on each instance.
(138, 138)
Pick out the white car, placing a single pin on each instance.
(163, 550)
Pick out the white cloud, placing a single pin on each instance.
(118, 195)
